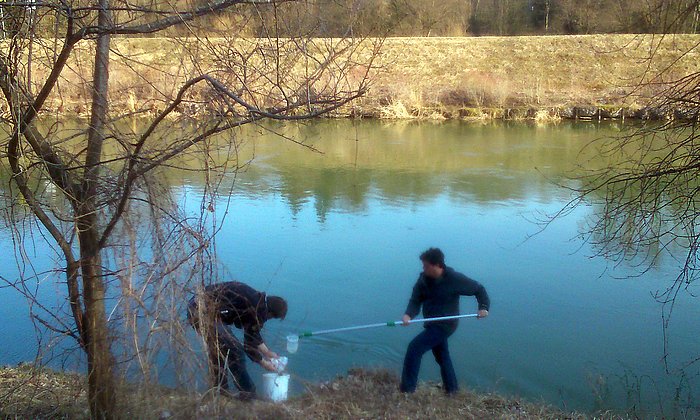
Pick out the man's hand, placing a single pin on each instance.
(266, 352)
(405, 320)
(268, 365)
(483, 313)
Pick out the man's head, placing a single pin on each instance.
(276, 307)
(433, 262)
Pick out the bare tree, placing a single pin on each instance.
(428, 18)
(105, 174)
(647, 192)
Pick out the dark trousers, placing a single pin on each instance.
(432, 338)
(225, 353)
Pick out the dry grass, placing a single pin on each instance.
(32, 393)
(374, 394)
(544, 116)
(28, 392)
(455, 75)
(415, 78)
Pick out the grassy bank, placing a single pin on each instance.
(596, 76)
(529, 77)
(26, 392)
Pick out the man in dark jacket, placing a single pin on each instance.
(438, 290)
(235, 303)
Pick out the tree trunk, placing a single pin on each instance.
(101, 384)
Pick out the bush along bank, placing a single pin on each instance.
(547, 114)
(438, 113)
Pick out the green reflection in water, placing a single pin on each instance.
(410, 162)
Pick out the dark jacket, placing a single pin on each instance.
(440, 297)
(238, 304)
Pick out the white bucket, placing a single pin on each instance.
(275, 386)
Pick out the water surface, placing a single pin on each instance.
(338, 234)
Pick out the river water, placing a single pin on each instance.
(338, 233)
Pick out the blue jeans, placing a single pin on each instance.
(432, 338)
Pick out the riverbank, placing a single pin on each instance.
(26, 392)
(530, 77)
(525, 77)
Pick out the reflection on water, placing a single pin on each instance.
(338, 232)
(405, 162)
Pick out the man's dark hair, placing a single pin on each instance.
(433, 256)
(276, 307)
